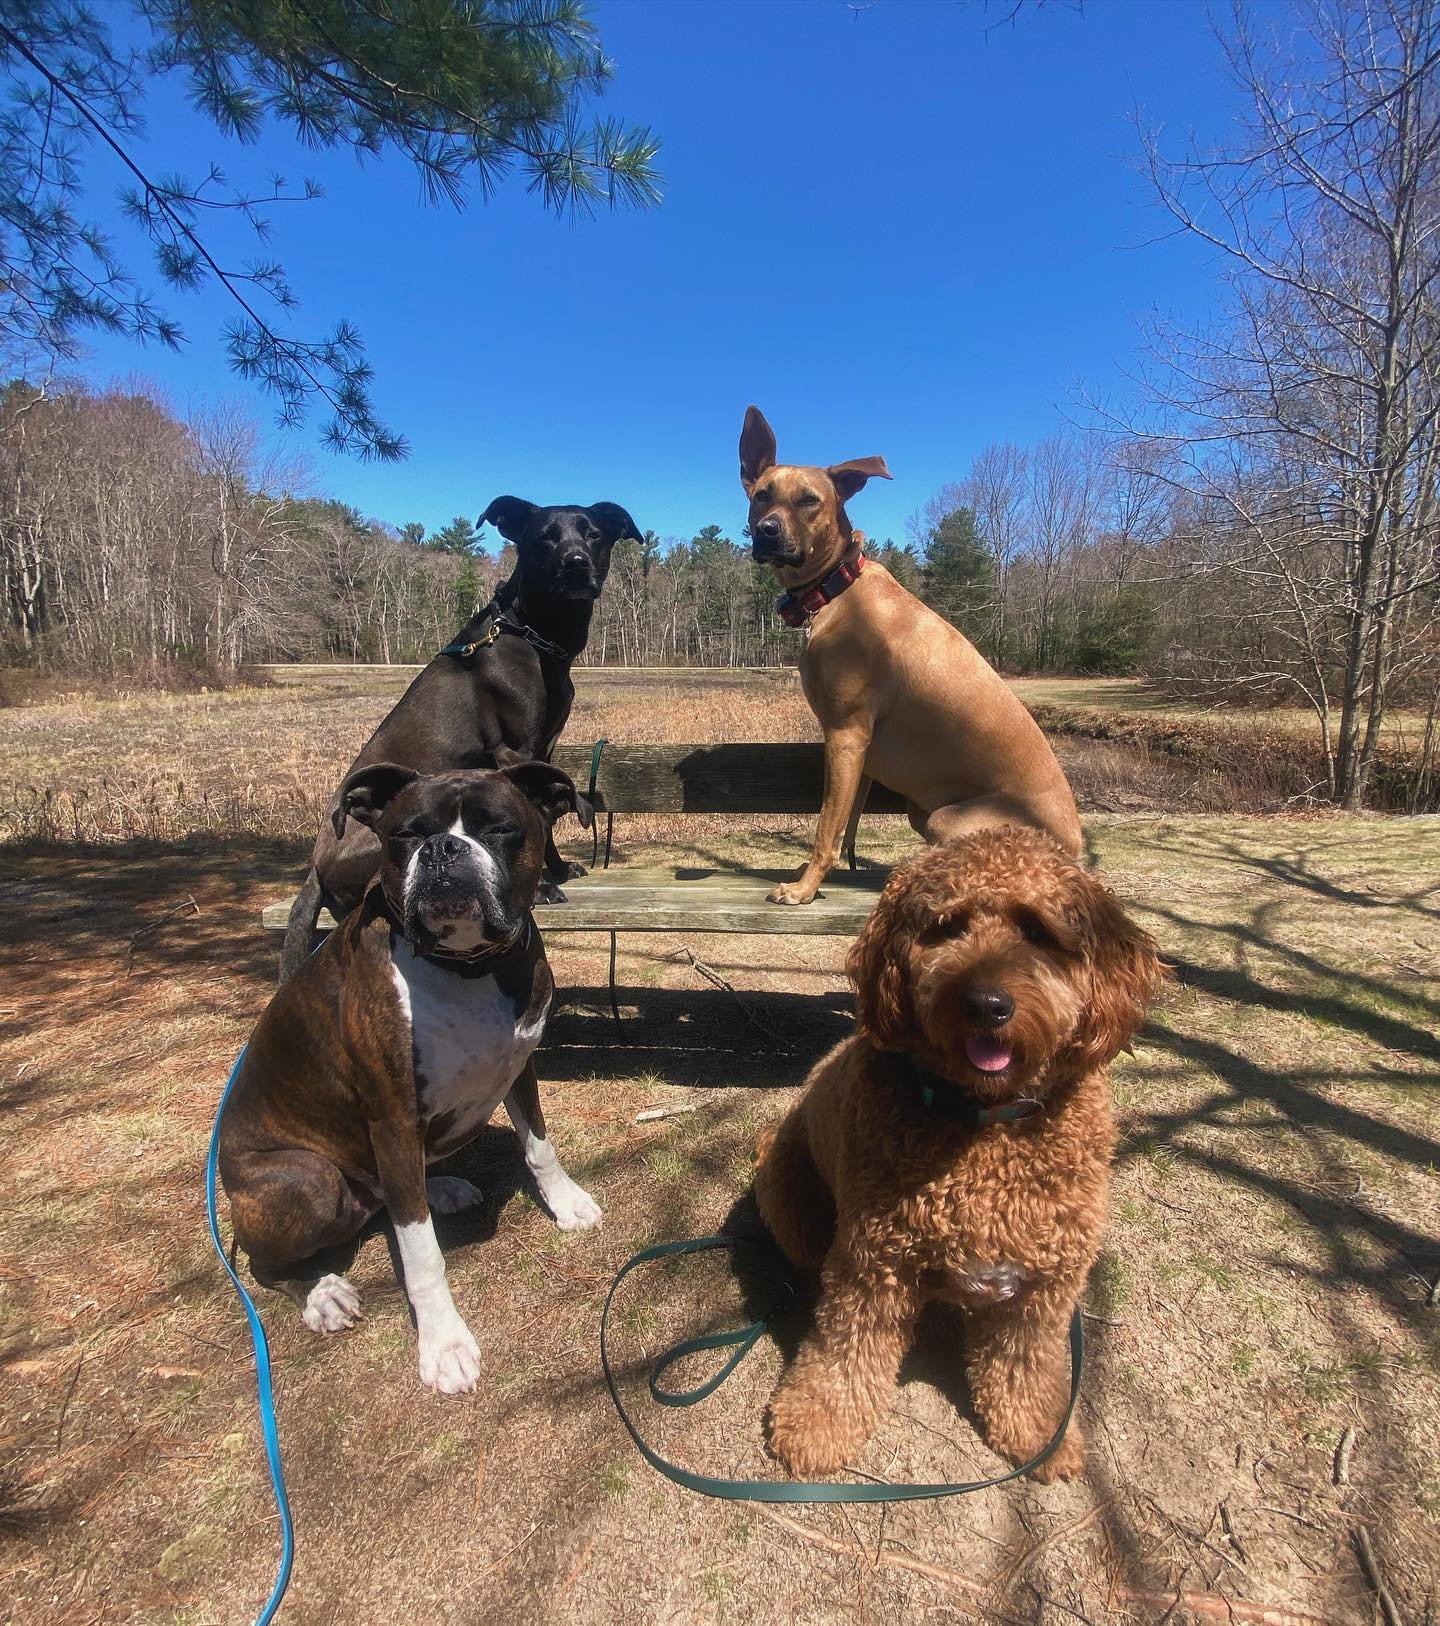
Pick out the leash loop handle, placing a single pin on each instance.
(780, 1490)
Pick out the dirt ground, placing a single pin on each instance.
(1269, 1284)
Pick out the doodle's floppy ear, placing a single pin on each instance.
(848, 478)
(757, 448)
(368, 792)
(508, 515)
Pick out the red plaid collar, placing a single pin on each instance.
(795, 609)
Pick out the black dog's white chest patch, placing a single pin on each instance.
(469, 1041)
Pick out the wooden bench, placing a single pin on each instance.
(742, 780)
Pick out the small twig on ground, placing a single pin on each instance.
(1343, 1453)
(1010, 1576)
(653, 1114)
(1432, 1298)
(1214, 1606)
(889, 1556)
(1371, 1566)
(188, 906)
(69, 1394)
(1299, 1518)
(1104, 1320)
(509, 1552)
(1229, 1529)
(711, 975)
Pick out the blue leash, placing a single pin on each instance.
(262, 1365)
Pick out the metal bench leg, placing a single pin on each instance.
(614, 995)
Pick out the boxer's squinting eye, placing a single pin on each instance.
(500, 832)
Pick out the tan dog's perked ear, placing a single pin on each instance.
(757, 448)
(848, 478)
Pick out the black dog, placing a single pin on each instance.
(499, 694)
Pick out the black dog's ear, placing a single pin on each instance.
(847, 478)
(508, 515)
(615, 520)
(368, 792)
(552, 791)
(757, 448)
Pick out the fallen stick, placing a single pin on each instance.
(1211, 1604)
(1343, 1454)
(1010, 1576)
(652, 1114)
(887, 1555)
(711, 975)
(1371, 1566)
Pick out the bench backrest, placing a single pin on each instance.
(709, 778)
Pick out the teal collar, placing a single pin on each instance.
(950, 1101)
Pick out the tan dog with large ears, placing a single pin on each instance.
(903, 697)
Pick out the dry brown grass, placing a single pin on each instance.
(1277, 1228)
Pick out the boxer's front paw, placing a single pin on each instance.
(332, 1305)
(792, 892)
(548, 892)
(449, 1357)
(571, 1206)
(570, 870)
(449, 1194)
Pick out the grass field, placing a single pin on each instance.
(1269, 1281)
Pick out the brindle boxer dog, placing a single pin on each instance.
(903, 697)
(393, 1044)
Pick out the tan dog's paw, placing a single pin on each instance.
(806, 1432)
(1067, 1461)
(792, 892)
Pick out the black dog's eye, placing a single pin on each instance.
(808, 499)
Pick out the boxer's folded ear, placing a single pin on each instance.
(368, 792)
(552, 791)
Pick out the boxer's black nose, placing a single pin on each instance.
(442, 849)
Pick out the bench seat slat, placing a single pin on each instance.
(766, 778)
(686, 899)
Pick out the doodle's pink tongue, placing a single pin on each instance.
(988, 1054)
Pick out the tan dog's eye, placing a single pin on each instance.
(762, 496)
(1034, 930)
(808, 499)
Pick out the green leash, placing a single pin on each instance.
(744, 1340)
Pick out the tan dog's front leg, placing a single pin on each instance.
(845, 750)
(834, 1395)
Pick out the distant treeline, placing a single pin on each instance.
(129, 538)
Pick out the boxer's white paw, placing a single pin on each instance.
(332, 1305)
(449, 1194)
(449, 1358)
(573, 1208)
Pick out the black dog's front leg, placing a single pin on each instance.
(557, 869)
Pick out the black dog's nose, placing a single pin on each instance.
(577, 562)
(991, 1006)
(768, 528)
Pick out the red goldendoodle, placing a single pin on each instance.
(993, 970)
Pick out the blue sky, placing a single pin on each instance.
(894, 233)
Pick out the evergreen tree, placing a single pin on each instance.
(459, 536)
(903, 563)
(413, 533)
(468, 588)
(466, 90)
(959, 573)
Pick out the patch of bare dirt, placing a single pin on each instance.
(1268, 1287)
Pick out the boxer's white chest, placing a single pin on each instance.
(469, 1046)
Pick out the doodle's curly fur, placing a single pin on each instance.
(895, 1202)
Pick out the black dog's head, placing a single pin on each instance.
(564, 551)
(461, 853)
